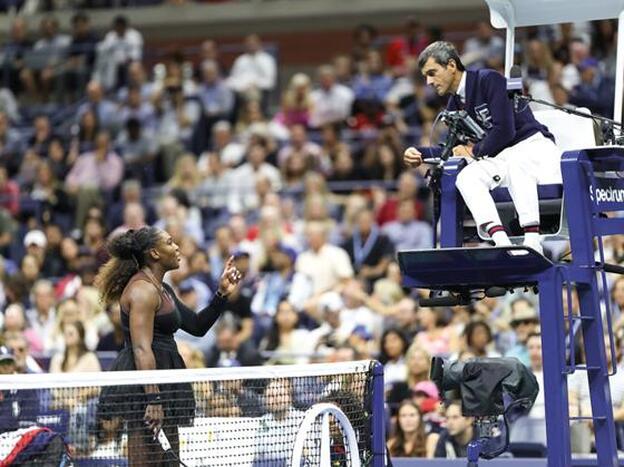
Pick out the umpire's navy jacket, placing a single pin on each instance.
(489, 105)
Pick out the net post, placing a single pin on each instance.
(378, 419)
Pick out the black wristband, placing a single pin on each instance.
(220, 295)
(153, 398)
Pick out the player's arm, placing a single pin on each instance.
(198, 324)
(144, 301)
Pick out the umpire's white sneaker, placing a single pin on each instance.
(535, 244)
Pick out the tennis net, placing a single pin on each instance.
(316, 415)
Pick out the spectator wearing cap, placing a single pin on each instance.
(16, 406)
(595, 90)
(282, 283)
(327, 266)
(524, 322)
(36, 244)
(362, 343)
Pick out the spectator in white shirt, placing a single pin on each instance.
(243, 196)
(42, 316)
(326, 265)
(331, 102)
(120, 47)
(254, 71)
(230, 152)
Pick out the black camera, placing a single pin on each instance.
(482, 383)
(493, 391)
(462, 130)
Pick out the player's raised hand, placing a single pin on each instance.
(230, 278)
(412, 157)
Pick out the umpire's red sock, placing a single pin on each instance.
(532, 237)
(497, 234)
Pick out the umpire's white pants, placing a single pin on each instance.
(533, 161)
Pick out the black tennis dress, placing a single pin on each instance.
(178, 402)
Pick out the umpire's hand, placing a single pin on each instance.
(412, 157)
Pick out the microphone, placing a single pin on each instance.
(514, 85)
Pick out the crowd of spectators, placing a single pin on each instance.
(303, 184)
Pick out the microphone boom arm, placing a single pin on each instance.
(607, 124)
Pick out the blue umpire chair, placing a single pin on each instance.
(582, 210)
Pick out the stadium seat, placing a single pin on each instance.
(571, 132)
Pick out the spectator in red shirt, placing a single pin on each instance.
(407, 188)
(408, 46)
(9, 193)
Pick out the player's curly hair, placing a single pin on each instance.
(128, 254)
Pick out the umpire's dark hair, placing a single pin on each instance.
(442, 52)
